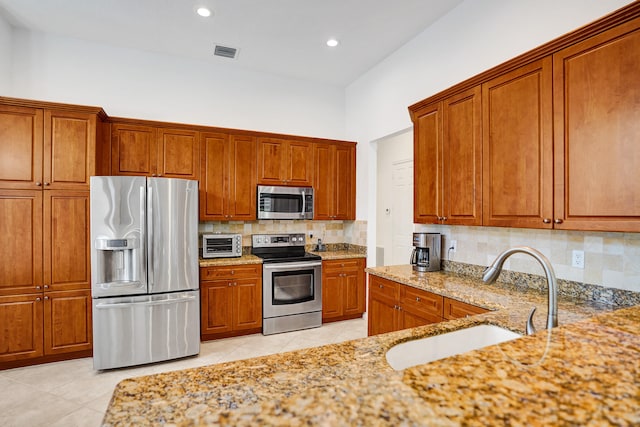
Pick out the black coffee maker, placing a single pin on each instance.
(426, 251)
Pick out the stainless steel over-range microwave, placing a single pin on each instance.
(221, 245)
(276, 202)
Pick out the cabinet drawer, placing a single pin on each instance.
(418, 300)
(454, 309)
(231, 271)
(342, 264)
(384, 288)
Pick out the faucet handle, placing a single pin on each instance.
(530, 329)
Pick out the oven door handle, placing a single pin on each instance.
(291, 265)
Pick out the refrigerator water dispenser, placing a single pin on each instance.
(116, 261)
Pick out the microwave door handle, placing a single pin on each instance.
(304, 202)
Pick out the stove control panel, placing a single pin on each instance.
(277, 240)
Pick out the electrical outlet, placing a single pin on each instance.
(577, 259)
(453, 245)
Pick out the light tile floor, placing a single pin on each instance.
(72, 394)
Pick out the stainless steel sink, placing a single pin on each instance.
(425, 350)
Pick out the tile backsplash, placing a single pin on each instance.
(353, 232)
(610, 259)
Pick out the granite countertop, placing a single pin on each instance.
(252, 259)
(585, 372)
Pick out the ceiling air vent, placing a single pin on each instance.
(225, 51)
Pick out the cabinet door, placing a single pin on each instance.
(427, 165)
(20, 147)
(133, 150)
(21, 320)
(345, 187)
(242, 181)
(462, 159)
(354, 287)
(178, 153)
(216, 307)
(67, 262)
(247, 303)
(383, 315)
(299, 163)
(331, 294)
(411, 319)
(67, 321)
(324, 181)
(69, 149)
(597, 124)
(518, 148)
(423, 304)
(271, 160)
(21, 228)
(214, 181)
(454, 309)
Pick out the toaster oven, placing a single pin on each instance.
(221, 245)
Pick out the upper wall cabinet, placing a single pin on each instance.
(228, 179)
(285, 162)
(518, 147)
(155, 151)
(448, 161)
(46, 148)
(597, 132)
(334, 181)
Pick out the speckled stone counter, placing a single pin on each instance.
(344, 254)
(585, 372)
(217, 262)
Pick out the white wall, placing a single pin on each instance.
(472, 38)
(132, 83)
(6, 38)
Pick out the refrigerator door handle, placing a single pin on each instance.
(131, 304)
(150, 247)
(143, 234)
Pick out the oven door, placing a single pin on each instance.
(291, 288)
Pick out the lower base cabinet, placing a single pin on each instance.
(343, 289)
(45, 327)
(231, 301)
(394, 306)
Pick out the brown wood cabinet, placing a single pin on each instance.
(394, 306)
(448, 161)
(45, 276)
(334, 181)
(46, 148)
(343, 289)
(454, 309)
(518, 147)
(228, 179)
(597, 132)
(285, 162)
(231, 300)
(139, 149)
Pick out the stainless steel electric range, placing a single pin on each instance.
(291, 283)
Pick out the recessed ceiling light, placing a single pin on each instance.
(332, 42)
(203, 11)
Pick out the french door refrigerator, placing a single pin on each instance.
(144, 262)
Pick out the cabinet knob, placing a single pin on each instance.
(233, 272)
(46, 298)
(38, 183)
(418, 299)
(380, 286)
(46, 183)
(38, 299)
(558, 221)
(37, 287)
(546, 221)
(444, 218)
(46, 286)
(229, 284)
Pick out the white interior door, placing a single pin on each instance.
(402, 212)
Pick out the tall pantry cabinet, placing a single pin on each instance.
(47, 154)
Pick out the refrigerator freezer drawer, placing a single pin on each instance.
(130, 331)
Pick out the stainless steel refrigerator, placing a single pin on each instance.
(144, 262)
